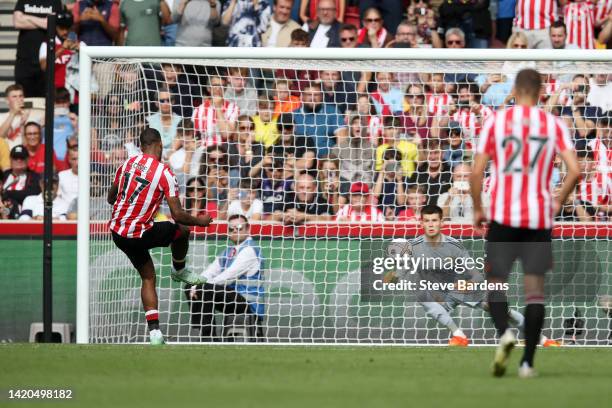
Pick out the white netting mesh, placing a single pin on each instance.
(236, 147)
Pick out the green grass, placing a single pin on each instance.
(201, 376)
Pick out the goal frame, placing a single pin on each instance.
(86, 54)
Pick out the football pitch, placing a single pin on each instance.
(275, 376)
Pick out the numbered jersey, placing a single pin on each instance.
(143, 182)
(522, 143)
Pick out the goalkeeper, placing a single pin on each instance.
(433, 245)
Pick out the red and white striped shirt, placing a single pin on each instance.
(580, 22)
(205, 120)
(471, 123)
(369, 214)
(602, 9)
(593, 191)
(375, 129)
(438, 104)
(521, 142)
(603, 156)
(535, 14)
(143, 182)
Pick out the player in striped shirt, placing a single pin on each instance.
(136, 193)
(521, 142)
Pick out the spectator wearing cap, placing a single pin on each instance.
(12, 122)
(433, 174)
(30, 18)
(359, 208)
(33, 207)
(304, 204)
(318, 120)
(97, 22)
(18, 182)
(196, 20)
(247, 21)
(36, 149)
(278, 33)
(323, 32)
(356, 153)
(389, 186)
(65, 47)
(454, 153)
(141, 18)
(393, 140)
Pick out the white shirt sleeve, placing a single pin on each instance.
(246, 263)
(257, 207)
(42, 51)
(212, 270)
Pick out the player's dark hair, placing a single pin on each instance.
(149, 136)
(528, 82)
(236, 216)
(432, 209)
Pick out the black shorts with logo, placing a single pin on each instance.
(161, 234)
(506, 244)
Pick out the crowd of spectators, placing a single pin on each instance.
(299, 145)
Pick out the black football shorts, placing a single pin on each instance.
(161, 234)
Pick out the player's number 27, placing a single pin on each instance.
(536, 144)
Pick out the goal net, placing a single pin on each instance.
(331, 155)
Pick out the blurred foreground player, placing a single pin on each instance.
(521, 142)
(138, 189)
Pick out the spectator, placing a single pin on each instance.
(196, 20)
(196, 200)
(473, 18)
(337, 91)
(469, 112)
(369, 118)
(273, 187)
(356, 154)
(177, 82)
(266, 127)
(457, 203)
(281, 25)
(348, 36)
(306, 204)
(299, 39)
(64, 122)
(592, 192)
(243, 151)
(391, 11)
(12, 122)
(142, 19)
(580, 21)
(359, 209)
(97, 22)
(165, 121)
(33, 207)
(114, 130)
(99, 210)
(572, 210)
(333, 187)
(389, 187)
(284, 102)
(216, 117)
(309, 10)
(244, 202)
(438, 100)
(373, 33)
(240, 92)
(405, 36)
(600, 93)
(415, 120)
(558, 37)
(456, 152)
(247, 21)
(185, 154)
(387, 97)
(217, 183)
(578, 114)
(65, 47)
(36, 149)
(533, 19)
(422, 16)
(324, 32)
(30, 18)
(433, 174)
(318, 120)
(408, 150)
(234, 284)
(298, 147)
(5, 159)
(215, 156)
(18, 181)
(69, 180)
(415, 200)
(602, 150)
(505, 16)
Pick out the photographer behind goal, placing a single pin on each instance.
(438, 304)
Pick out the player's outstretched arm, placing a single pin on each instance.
(184, 218)
(111, 197)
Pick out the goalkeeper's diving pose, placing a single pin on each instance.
(431, 246)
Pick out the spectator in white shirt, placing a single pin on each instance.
(324, 32)
(281, 25)
(600, 94)
(69, 179)
(244, 202)
(33, 207)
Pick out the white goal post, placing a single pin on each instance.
(327, 318)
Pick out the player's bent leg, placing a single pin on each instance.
(179, 246)
(437, 312)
